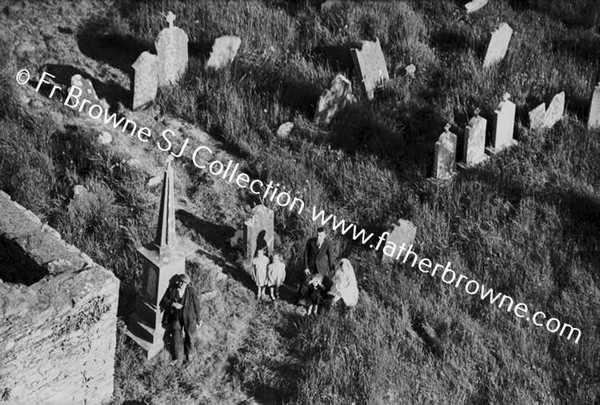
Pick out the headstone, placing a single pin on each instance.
(162, 259)
(334, 99)
(594, 117)
(329, 4)
(555, 110)
(145, 80)
(504, 125)
(172, 49)
(475, 5)
(370, 62)
(235, 239)
(284, 129)
(498, 45)
(536, 116)
(402, 232)
(410, 70)
(445, 155)
(474, 146)
(87, 92)
(258, 230)
(104, 138)
(223, 51)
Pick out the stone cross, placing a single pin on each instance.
(402, 232)
(498, 45)
(223, 51)
(474, 146)
(145, 80)
(594, 117)
(445, 155)
(259, 230)
(504, 125)
(172, 49)
(370, 63)
(334, 100)
(555, 110)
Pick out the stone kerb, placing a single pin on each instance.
(58, 331)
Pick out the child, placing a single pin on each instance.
(314, 294)
(275, 276)
(260, 263)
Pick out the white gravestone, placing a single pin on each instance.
(498, 45)
(370, 63)
(594, 117)
(444, 166)
(504, 125)
(145, 80)
(555, 110)
(334, 99)
(172, 49)
(401, 233)
(474, 147)
(223, 52)
(475, 5)
(536, 116)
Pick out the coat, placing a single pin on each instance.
(190, 311)
(319, 260)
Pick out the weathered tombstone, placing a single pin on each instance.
(87, 91)
(370, 62)
(285, 129)
(334, 99)
(504, 125)
(474, 147)
(555, 110)
(223, 51)
(498, 45)
(145, 80)
(161, 260)
(329, 4)
(536, 116)
(172, 49)
(445, 155)
(258, 230)
(401, 233)
(475, 5)
(594, 117)
(410, 70)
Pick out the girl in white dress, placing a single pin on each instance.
(260, 263)
(344, 284)
(275, 276)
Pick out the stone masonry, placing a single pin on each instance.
(58, 328)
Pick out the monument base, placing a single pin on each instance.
(464, 166)
(494, 151)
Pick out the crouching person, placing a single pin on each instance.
(344, 286)
(181, 316)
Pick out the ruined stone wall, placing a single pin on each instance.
(57, 333)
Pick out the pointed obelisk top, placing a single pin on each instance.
(165, 239)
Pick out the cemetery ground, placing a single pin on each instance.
(526, 223)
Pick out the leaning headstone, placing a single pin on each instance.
(536, 116)
(259, 231)
(285, 129)
(504, 125)
(87, 92)
(370, 62)
(172, 49)
(498, 45)
(475, 5)
(444, 166)
(223, 51)
(329, 4)
(474, 146)
(594, 117)
(555, 110)
(334, 99)
(145, 80)
(401, 233)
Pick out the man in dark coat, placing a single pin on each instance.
(182, 315)
(318, 259)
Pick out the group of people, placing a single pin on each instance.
(324, 283)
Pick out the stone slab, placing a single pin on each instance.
(223, 52)
(498, 45)
(370, 63)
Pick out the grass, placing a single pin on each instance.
(527, 223)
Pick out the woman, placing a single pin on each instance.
(344, 284)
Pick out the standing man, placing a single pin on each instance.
(182, 315)
(318, 259)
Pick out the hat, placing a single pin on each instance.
(184, 278)
(321, 229)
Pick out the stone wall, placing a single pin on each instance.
(58, 324)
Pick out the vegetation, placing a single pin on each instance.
(527, 223)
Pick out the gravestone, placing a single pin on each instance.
(475, 5)
(162, 259)
(223, 51)
(258, 230)
(334, 99)
(285, 129)
(445, 155)
(594, 117)
(504, 125)
(498, 45)
(87, 91)
(329, 4)
(474, 146)
(536, 116)
(402, 232)
(555, 110)
(410, 70)
(172, 50)
(145, 80)
(370, 63)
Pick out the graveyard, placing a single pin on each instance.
(467, 130)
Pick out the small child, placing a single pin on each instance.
(260, 263)
(314, 294)
(275, 276)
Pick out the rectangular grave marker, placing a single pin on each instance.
(145, 80)
(444, 166)
(498, 45)
(504, 125)
(370, 63)
(474, 146)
